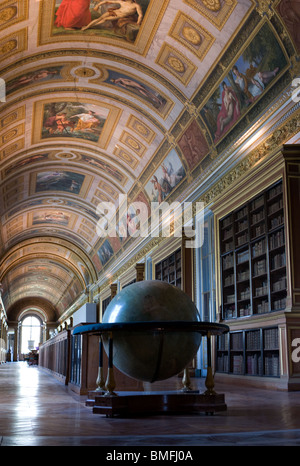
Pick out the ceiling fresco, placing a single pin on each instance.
(144, 98)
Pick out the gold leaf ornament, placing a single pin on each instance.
(213, 5)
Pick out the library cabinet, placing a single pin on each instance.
(257, 224)
(253, 272)
(169, 269)
(249, 352)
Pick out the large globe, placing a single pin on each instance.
(151, 355)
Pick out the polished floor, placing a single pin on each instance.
(37, 410)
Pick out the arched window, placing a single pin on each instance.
(31, 334)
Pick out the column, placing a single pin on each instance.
(290, 336)
(113, 290)
(140, 271)
(187, 287)
(291, 154)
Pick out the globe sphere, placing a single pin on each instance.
(151, 355)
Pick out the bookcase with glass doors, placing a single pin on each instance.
(253, 283)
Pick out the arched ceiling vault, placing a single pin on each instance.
(95, 111)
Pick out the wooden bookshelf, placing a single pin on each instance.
(105, 304)
(252, 352)
(169, 269)
(253, 261)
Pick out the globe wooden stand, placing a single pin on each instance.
(151, 403)
(112, 403)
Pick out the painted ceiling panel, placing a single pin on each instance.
(106, 99)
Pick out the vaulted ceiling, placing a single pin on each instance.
(95, 111)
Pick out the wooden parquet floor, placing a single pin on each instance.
(38, 410)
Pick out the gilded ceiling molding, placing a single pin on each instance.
(104, 94)
(13, 43)
(216, 11)
(286, 13)
(125, 157)
(129, 83)
(213, 160)
(13, 117)
(295, 69)
(12, 133)
(280, 136)
(216, 74)
(71, 156)
(146, 31)
(101, 55)
(102, 282)
(11, 149)
(13, 12)
(132, 143)
(176, 63)
(17, 252)
(140, 128)
(264, 8)
(30, 79)
(112, 115)
(269, 146)
(66, 265)
(192, 35)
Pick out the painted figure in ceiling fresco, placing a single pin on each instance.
(230, 111)
(253, 82)
(248, 80)
(105, 252)
(290, 12)
(59, 181)
(124, 14)
(24, 162)
(139, 88)
(135, 87)
(166, 178)
(119, 19)
(193, 145)
(86, 121)
(112, 171)
(73, 14)
(63, 119)
(57, 218)
(34, 77)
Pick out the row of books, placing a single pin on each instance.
(253, 340)
(236, 340)
(271, 365)
(279, 304)
(259, 248)
(278, 261)
(254, 365)
(276, 206)
(237, 364)
(262, 307)
(275, 191)
(276, 239)
(222, 363)
(271, 338)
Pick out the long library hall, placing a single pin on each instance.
(37, 410)
(149, 222)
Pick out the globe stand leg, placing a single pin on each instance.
(209, 381)
(186, 381)
(100, 382)
(110, 381)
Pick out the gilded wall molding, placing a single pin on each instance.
(265, 149)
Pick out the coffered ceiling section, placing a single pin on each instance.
(107, 99)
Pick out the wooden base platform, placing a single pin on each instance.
(127, 404)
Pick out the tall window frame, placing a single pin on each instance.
(205, 283)
(35, 331)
